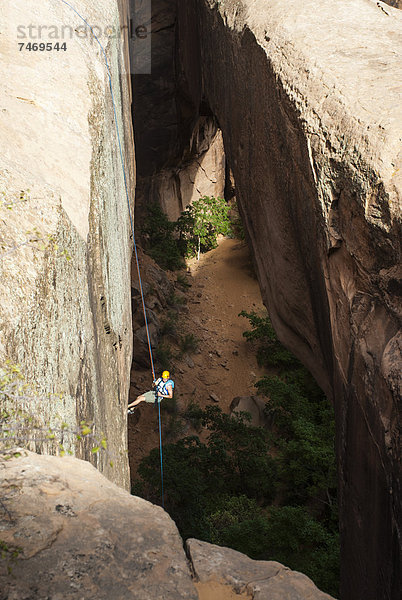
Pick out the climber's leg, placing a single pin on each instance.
(148, 397)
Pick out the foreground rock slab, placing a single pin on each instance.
(258, 579)
(68, 533)
(83, 537)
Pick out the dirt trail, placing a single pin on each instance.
(227, 365)
(222, 284)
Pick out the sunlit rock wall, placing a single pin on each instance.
(65, 241)
(201, 174)
(308, 99)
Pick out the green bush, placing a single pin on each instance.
(304, 433)
(220, 490)
(196, 230)
(288, 534)
(182, 281)
(201, 223)
(270, 352)
(234, 459)
(169, 324)
(302, 422)
(176, 300)
(237, 228)
(160, 239)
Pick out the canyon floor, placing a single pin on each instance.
(224, 366)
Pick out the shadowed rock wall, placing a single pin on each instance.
(65, 313)
(177, 160)
(309, 106)
(395, 3)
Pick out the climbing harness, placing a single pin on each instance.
(162, 386)
(131, 224)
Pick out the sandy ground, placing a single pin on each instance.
(218, 591)
(222, 284)
(224, 278)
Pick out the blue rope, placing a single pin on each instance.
(160, 452)
(131, 220)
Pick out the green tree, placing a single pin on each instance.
(268, 493)
(201, 223)
(302, 425)
(270, 352)
(287, 534)
(234, 460)
(160, 239)
(196, 230)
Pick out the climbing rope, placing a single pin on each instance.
(131, 224)
(160, 452)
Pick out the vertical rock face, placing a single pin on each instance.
(178, 160)
(308, 103)
(202, 174)
(65, 267)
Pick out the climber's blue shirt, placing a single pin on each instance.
(162, 387)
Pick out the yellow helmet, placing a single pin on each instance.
(165, 375)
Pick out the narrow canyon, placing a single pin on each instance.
(292, 112)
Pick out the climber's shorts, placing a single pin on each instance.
(150, 397)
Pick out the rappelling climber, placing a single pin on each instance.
(163, 388)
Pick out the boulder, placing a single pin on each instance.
(154, 280)
(259, 579)
(136, 292)
(254, 405)
(152, 318)
(160, 282)
(80, 536)
(67, 533)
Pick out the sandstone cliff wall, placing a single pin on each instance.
(65, 313)
(177, 160)
(308, 100)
